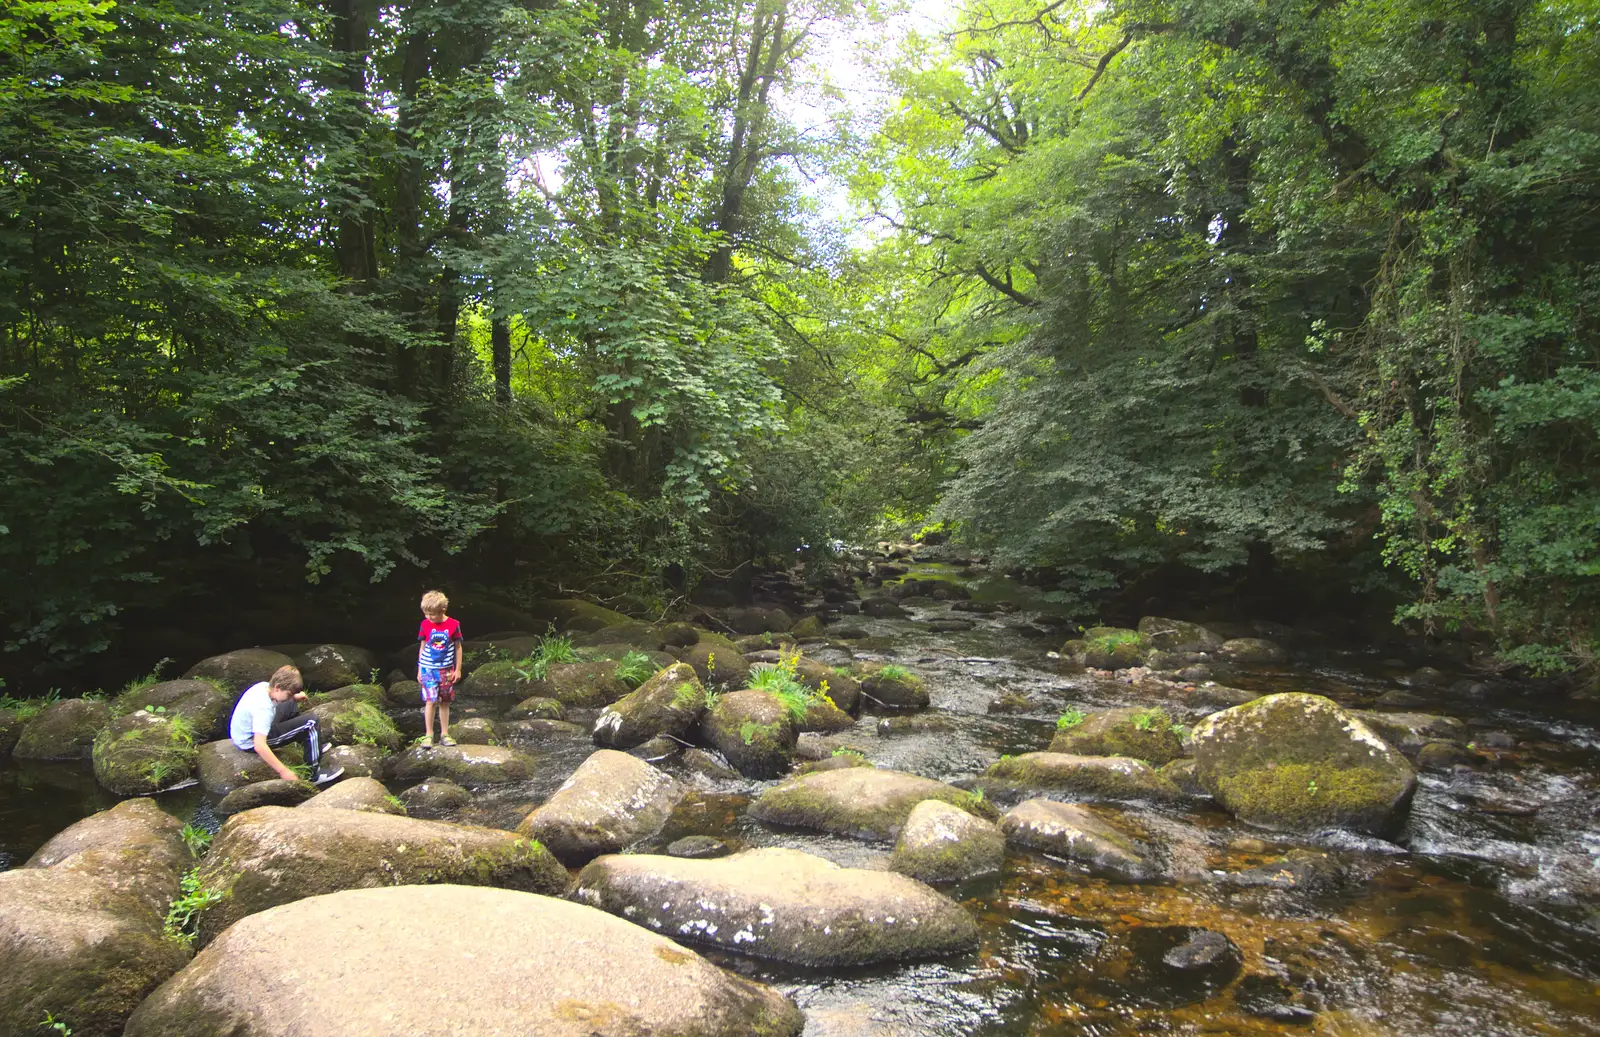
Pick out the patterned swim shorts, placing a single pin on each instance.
(437, 686)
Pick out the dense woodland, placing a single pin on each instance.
(1142, 296)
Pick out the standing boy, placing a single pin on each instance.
(438, 665)
(267, 715)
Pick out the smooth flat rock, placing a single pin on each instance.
(507, 963)
(274, 792)
(942, 843)
(782, 904)
(1091, 777)
(275, 855)
(366, 794)
(859, 802)
(465, 764)
(1073, 833)
(611, 801)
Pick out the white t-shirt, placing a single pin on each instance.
(252, 716)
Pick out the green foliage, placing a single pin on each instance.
(50, 1022)
(197, 839)
(1153, 719)
(895, 672)
(635, 668)
(148, 680)
(369, 725)
(27, 709)
(686, 696)
(1070, 719)
(845, 750)
(779, 681)
(552, 648)
(182, 914)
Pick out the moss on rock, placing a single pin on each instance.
(753, 730)
(717, 661)
(206, 706)
(669, 703)
(859, 802)
(63, 731)
(1151, 735)
(1094, 777)
(144, 752)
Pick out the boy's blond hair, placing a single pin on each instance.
(287, 678)
(435, 601)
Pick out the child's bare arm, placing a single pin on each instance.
(264, 751)
(461, 650)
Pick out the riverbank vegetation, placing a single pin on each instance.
(1144, 297)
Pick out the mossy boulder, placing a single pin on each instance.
(717, 661)
(274, 855)
(466, 764)
(537, 707)
(782, 905)
(80, 924)
(328, 666)
(943, 843)
(612, 801)
(501, 962)
(356, 722)
(202, 703)
(669, 703)
(1151, 735)
(585, 684)
(1072, 832)
(859, 802)
(894, 688)
(753, 730)
(1299, 762)
(371, 694)
(475, 731)
(274, 792)
(11, 724)
(1181, 774)
(1086, 777)
(357, 761)
(365, 794)
(1252, 650)
(760, 619)
(676, 635)
(1108, 648)
(504, 678)
(435, 798)
(224, 767)
(575, 614)
(403, 694)
(1409, 732)
(808, 629)
(64, 730)
(823, 716)
(237, 670)
(1175, 635)
(842, 688)
(144, 752)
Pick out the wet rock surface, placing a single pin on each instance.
(943, 843)
(859, 802)
(611, 802)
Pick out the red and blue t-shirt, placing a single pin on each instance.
(438, 651)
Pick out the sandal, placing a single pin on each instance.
(446, 740)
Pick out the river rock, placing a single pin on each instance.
(1175, 635)
(475, 731)
(859, 802)
(1443, 757)
(782, 904)
(698, 848)
(366, 794)
(1107, 648)
(894, 690)
(585, 684)
(325, 667)
(371, 694)
(717, 661)
(759, 620)
(1143, 734)
(843, 689)
(467, 764)
(224, 767)
(64, 730)
(669, 703)
(1300, 762)
(274, 855)
(80, 924)
(274, 792)
(1253, 650)
(200, 702)
(753, 731)
(11, 725)
(575, 614)
(144, 752)
(883, 608)
(1094, 777)
(356, 722)
(507, 962)
(435, 798)
(542, 730)
(943, 843)
(237, 670)
(808, 628)
(824, 716)
(1409, 732)
(502, 678)
(1073, 833)
(404, 693)
(612, 801)
(358, 761)
(1181, 774)
(538, 707)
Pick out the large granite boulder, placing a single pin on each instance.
(274, 792)
(753, 731)
(781, 904)
(611, 802)
(273, 855)
(366, 794)
(502, 962)
(1175, 635)
(859, 802)
(63, 730)
(326, 667)
(81, 924)
(224, 767)
(1151, 735)
(236, 671)
(465, 764)
(584, 684)
(1409, 732)
(667, 704)
(202, 703)
(893, 688)
(943, 843)
(717, 661)
(144, 752)
(1087, 777)
(1300, 762)
(1072, 832)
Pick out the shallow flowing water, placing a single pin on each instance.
(1482, 917)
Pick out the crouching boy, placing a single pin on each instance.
(267, 716)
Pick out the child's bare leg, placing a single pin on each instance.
(444, 719)
(427, 719)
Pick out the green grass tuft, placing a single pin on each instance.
(552, 648)
(197, 839)
(183, 914)
(635, 668)
(27, 709)
(1070, 719)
